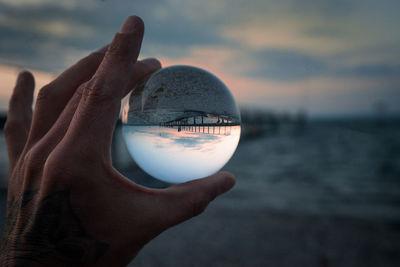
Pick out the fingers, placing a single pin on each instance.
(187, 200)
(53, 97)
(99, 107)
(142, 69)
(19, 116)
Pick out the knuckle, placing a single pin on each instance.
(52, 169)
(66, 160)
(115, 54)
(95, 90)
(80, 90)
(45, 92)
(55, 160)
(121, 46)
(55, 167)
(32, 161)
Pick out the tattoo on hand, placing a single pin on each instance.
(49, 234)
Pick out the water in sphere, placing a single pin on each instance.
(182, 124)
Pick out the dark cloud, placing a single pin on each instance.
(334, 8)
(23, 38)
(170, 36)
(287, 65)
(283, 65)
(371, 70)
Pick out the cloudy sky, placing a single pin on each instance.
(337, 57)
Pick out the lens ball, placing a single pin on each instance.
(182, 124)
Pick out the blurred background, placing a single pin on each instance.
(318, 84)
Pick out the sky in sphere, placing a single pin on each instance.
(328, 58)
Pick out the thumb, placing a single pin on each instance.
(191, 198)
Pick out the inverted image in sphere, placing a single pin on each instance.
(182, 124)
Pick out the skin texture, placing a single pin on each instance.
(67, 205)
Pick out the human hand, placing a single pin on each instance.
(66, 204)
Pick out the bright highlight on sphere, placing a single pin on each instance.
(182, 124)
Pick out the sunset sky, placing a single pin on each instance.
(331, 58)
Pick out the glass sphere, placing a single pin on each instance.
(182, 124)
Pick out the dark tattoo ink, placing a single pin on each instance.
(49, 234)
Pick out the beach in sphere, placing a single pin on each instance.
(182, 124)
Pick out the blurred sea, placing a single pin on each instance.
(338, 168)
(316, 193)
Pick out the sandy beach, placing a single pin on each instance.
(261, 237)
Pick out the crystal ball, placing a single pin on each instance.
(181, 124)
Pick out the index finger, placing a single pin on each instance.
(99, 106)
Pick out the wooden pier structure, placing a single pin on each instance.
(197, 124)
(208, 128)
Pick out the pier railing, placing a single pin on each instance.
(208, 128)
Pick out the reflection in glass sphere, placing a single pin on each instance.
(182, 124)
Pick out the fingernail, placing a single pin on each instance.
(132, 24)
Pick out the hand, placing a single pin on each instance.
(67, 205)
